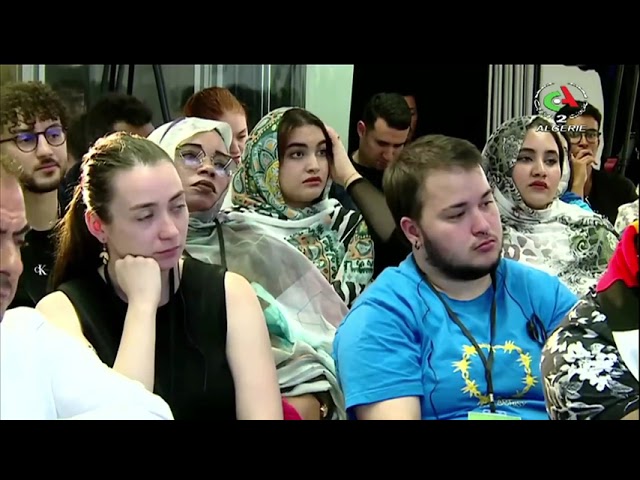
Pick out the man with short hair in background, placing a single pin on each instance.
(383, 131)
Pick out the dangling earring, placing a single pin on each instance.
(104, 255)
(416, 245)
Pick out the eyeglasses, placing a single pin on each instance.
(591, 135)
(27, 142)
(193, 156)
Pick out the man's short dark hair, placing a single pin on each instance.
(391, 107)
(113, 108)
(404, 179)
(590, 111)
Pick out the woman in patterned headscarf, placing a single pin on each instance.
(525, 162)
(302, 310)
(282, 187)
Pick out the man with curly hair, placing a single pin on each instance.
(33, 123)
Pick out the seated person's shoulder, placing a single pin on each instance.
(22, 320)
(584, 375)
(34, 328)
(60, 312)
(395, 280)
(549, 298)
(57, 305)
(395, 291)
(236, 285)
(391, 303)
(377, 346)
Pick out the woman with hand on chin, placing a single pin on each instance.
(189, 331)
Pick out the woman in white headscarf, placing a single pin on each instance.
(525, 166)
(301, 307)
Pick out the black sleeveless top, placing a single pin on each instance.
(191, 370)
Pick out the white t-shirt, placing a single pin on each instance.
(45, 374)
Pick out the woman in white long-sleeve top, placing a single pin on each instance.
(45, 374)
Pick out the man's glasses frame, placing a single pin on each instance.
(27, 142)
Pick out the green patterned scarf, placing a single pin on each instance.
(335, 239)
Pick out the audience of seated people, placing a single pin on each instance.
(272, 275)
(455, 331)
(300, 306)
(189, 331)
(45, 374)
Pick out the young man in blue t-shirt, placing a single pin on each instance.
(454, 332)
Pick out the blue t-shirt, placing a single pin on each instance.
(574, 199)
(398, 341)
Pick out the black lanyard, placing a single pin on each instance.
(487, 362)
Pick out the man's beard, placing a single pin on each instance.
(29, 184)
(451, 268)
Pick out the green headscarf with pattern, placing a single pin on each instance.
(334, 238)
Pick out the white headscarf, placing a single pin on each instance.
(172, 135)
(301, 308)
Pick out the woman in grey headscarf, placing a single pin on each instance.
(526, 163)
(301, 307)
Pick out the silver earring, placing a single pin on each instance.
(104, 255)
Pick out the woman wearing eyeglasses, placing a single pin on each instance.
(301, 308)
(199, 150)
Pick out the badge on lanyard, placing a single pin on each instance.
(491, 416)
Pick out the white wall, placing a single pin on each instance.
(329, 95)
(589, 81)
